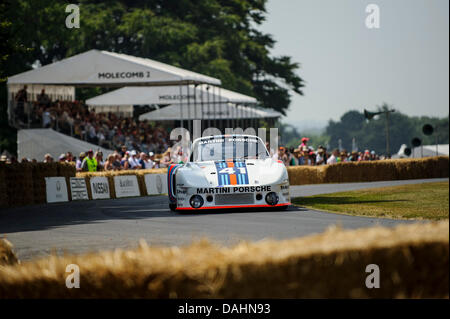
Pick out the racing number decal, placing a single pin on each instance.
(232, 173)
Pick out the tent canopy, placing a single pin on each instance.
(175, 112)
(138, 95)
(103, 68)
(35, 143)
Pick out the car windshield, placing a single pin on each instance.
(233, 147)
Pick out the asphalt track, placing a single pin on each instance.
(77, 227)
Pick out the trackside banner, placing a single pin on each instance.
(236, 189)
(78, 188)
(126, 186)
(156, 184)
(99, 187)
(56, 189)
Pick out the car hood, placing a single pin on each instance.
(220, 173)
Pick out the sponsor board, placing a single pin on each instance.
(99, 187)
(236, 189)
(155, 184)
(56, 189)
(126, 186)
(78, 188)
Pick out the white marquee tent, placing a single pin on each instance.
(102, 68)
(214, 111)
(136, 95)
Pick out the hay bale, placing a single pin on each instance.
(3, 186)
(39, 172)
(7, 255)
(303, 175)
(413, 260)
(19, 184)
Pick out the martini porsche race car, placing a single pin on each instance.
(228, 171)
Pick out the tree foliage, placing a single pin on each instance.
(214, 37)
(372, 134)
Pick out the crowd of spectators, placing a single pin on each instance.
(137, 142)
(124, 159)
(107, 130)
(306, 155)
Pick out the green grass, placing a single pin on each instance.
(415, 201)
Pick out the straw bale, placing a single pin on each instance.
(413, 262)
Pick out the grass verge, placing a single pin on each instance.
(417, 201)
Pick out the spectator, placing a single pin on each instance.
(43, 99)
(166, 159)
(301, 156)
(124, 162)
(312, 157)
(123, 150)
(320, 157)
(62, 158)
(99, 159)
(373, 156)
(333, 158)
(48, 158)
(353, 157)
(109, 164)
(151, 160)
(89, 163)
(343, 156)
(304, 143)
(282, 156)
(366, 156)
(293, 157)
(134, 160)
(21, 98)
(78, 164)
(46, 119)
(116, 162)
(69, 157)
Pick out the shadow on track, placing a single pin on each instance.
(48, 216)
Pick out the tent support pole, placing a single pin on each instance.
(181, 106)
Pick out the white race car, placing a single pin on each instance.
(228, 171)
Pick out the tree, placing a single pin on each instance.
(371, 134)
(215, 37)
(10, 47)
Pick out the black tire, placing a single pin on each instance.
(173, 207)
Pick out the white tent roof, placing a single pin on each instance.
(138, 95)
(103, 68)
(430, 150)
(208, 111)
(35, 143)
(427, 150)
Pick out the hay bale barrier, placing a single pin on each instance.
(413, 261)
(3, 186)
(7, 255)
(371, 171)
(19, 184)
(24, 184)
(110, 176)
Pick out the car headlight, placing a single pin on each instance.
(272, 198)
(196, 201)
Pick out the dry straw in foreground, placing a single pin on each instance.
(413, 261)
